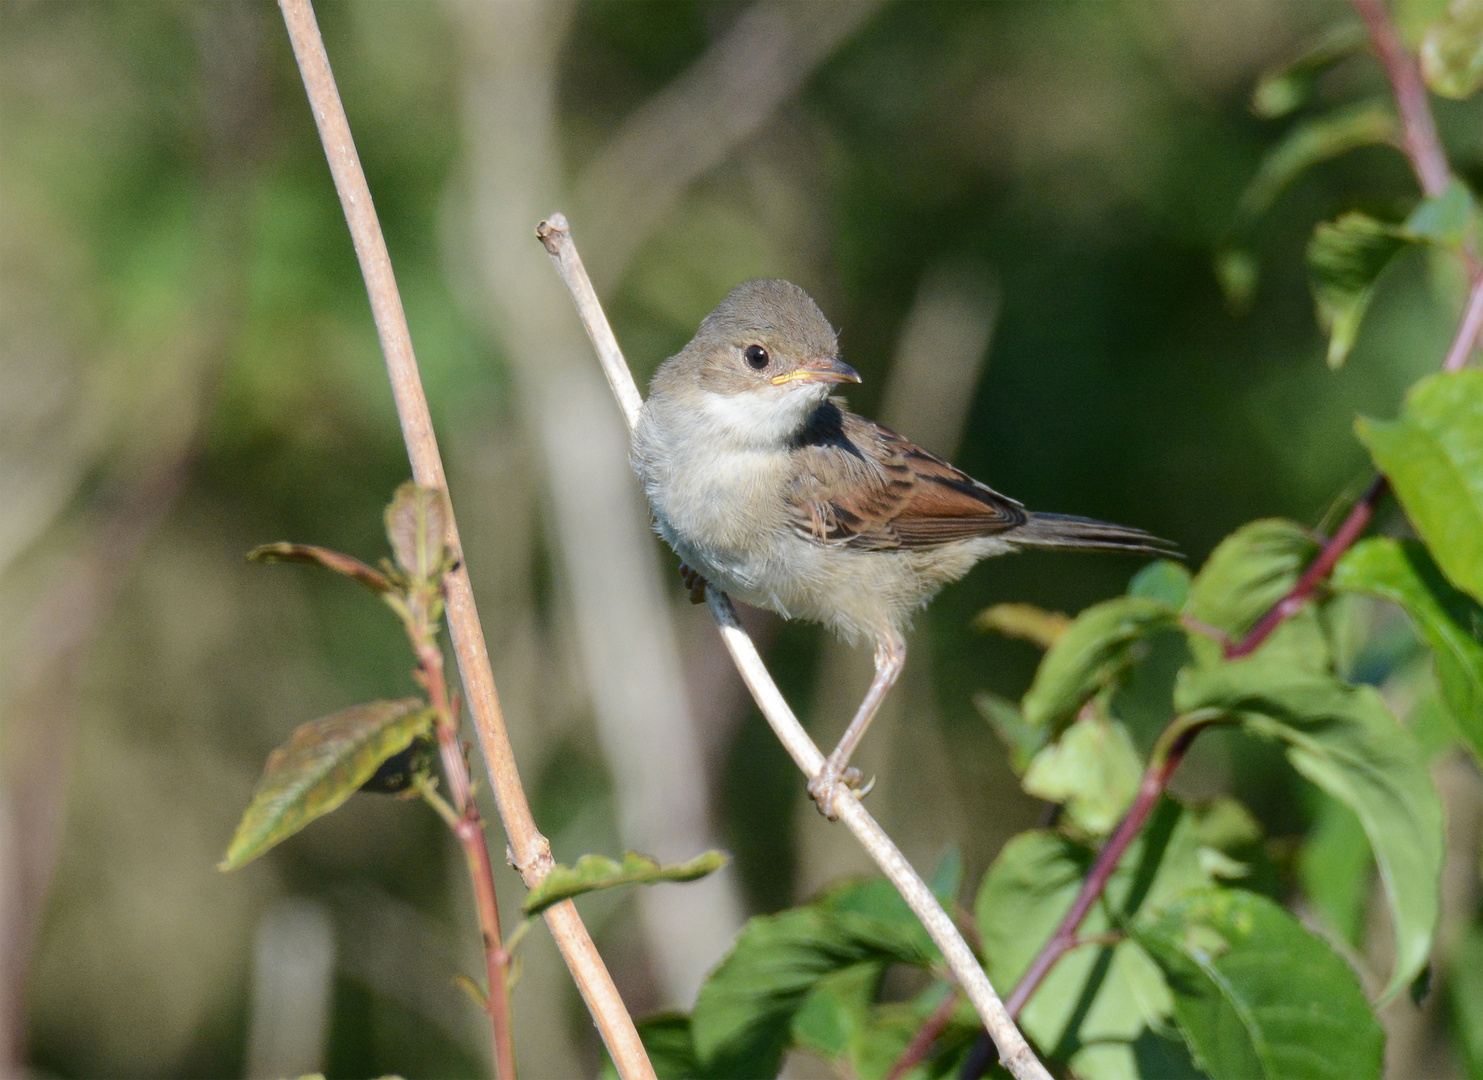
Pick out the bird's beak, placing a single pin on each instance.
(829, 370)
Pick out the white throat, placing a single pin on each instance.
(761, 418)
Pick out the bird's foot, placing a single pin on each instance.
(830, 784)
(694, 582)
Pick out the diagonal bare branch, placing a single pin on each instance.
(1014, 1051)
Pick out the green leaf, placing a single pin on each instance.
(1158, 1056)
(1092, 769)
(1445, 219)
(1452, 51)
(1433, 457)
(836, 1010)
(1307, 144)
(595, 872)
(417, 525)
(1259, 997)
(666, 1038)
(1336, 869)
(876, 915)
(473, 991)
(1465, 998)
(1231, 846)
(1345, 259)
(1237, 272)
(1449, 621)
(1345, 740)
(1284, 89)
(1024, 621)
(1311, 143)
(1021, 739)
(331, 560)
(1246, 574)
(1100, 643)
(743, 1015)
(1163, 580)
(1096, 993)
(1430, 722)
(319, 767)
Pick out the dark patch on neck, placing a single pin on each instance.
(826, 428)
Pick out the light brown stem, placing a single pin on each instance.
(530, 851)
(1014, 1051)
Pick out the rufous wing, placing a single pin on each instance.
(859, 484)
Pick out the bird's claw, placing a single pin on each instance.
(829, 785)
(694, 582)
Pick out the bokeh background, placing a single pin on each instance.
(1009, 210)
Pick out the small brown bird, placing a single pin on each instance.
(773, 491)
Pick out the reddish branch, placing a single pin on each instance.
(921, 1043)
(1467, 334)
(468, 827)
(1342, 540)
(1418, 129)
(1165, 759)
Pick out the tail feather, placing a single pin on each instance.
(1068, 532)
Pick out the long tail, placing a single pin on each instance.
(1086, 534)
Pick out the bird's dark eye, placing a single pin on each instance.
(757, 357)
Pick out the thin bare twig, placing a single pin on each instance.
(530, 851)
(1014, 1051)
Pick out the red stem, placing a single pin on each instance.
(1467, 334)
(1354, 524)
(921, 1043)
(469, 830)
(1155, 778)
(1418, 129)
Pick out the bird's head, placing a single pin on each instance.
(760, 365)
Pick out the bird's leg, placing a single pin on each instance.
(694, 582)
(836, 776)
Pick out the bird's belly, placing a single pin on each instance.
(857, 593)
(715, 511)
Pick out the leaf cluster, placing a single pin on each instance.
(1348, 255)
(379, 745)
(812, 978)
(384, 746)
